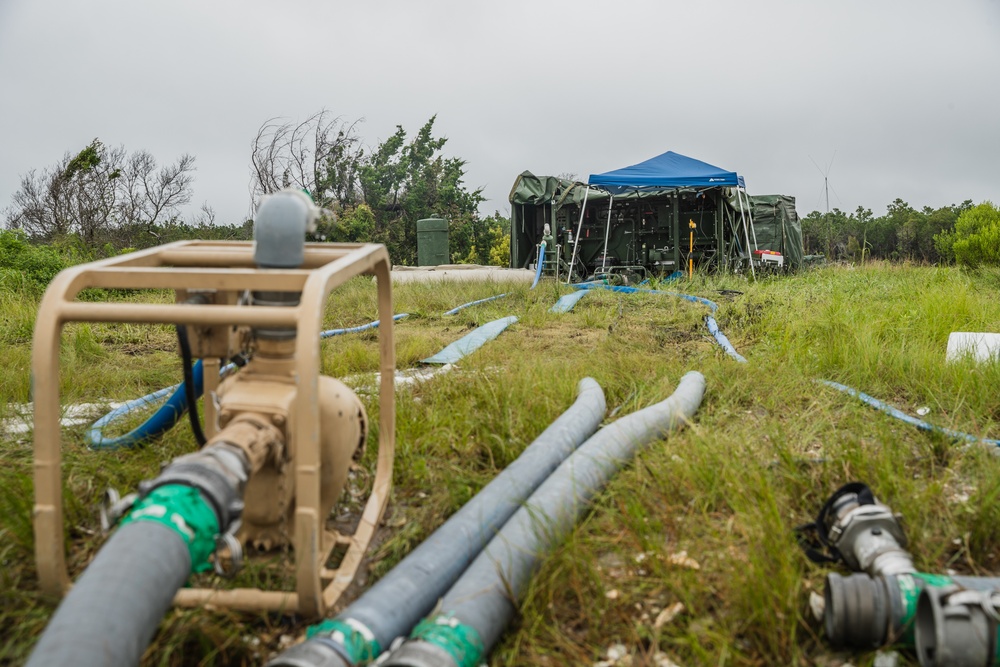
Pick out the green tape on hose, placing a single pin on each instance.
(358, 641)
(462, 642)
(183, 510)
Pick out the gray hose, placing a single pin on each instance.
(474, 613)
(118, 602)
(111, 613)
(393, 606)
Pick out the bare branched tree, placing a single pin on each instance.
(98, 191)
(320, 154)
(149, 194)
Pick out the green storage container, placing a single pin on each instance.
(432, 242)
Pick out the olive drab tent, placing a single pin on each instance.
(777, 227)
(668, 213)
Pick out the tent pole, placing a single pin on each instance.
(607, 233)
(576, 241)
(676, 231)
(720, 231)
(750, 215)
(746, 234)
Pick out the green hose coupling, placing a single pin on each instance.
(462, 642)
(353, 637)
(183, 510)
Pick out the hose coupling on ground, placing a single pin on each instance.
(957, 627)
(862, 532)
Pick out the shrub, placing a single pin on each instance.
(977, 236)
(35, 265)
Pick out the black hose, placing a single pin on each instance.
(189, 390)
(117, 604)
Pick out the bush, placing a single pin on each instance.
(976, 240)
(34, 266)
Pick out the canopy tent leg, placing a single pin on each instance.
(720, 240)
(676, 230)
(750, 215)
(576, 241)
(607, 233)
(746, 234)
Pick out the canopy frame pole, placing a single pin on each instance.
(746, 234)
(720, 230)
(576, 241)
(607, 233)
(750, 215)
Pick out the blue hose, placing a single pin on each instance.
(473, 303)
(364, 327)
(902, 416)
(541, 261)
(635, 290)
(159, 423)
(713, 326)
(170, 412)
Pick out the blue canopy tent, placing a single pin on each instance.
(670, 172)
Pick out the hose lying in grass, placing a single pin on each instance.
(114, 608)
(171, 412)
(474, 303)
(567, 301)
(391, 607)
(474, 612)
(541, 261)
(470, 342)
(713, 326)
(912, 421)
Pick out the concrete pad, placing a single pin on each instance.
(460, 272)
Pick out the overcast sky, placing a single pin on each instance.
(889, 98)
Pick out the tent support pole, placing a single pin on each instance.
(607, 233)
(746, 234)
(720, 232)
(750, 215)
(576, 241)
(676, 231)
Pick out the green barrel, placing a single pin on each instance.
(432, 242)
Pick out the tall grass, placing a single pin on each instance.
(767, 447)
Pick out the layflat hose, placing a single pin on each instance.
(913, 421)
(541, 261)
(393, 605)
(115, 607)
(474, 303)
(710, 323)
(475, 611)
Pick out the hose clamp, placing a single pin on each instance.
(113, 507)
(228, 541)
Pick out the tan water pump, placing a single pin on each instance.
(264, 300)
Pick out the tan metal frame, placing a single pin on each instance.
(224, 266)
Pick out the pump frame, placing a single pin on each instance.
(224, 267)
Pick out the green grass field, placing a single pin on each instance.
(767, 447)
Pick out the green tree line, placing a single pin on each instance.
(967, 234)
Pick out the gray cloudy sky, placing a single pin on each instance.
(902, 96)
